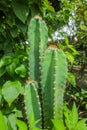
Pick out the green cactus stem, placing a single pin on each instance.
(53, 80)
(48, 68)
(38, 38)
(32, 104)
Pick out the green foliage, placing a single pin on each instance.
(81, 23)
(5, 60)
(79, 96)
(71, 118)
(79, 66)
(47, 6)
(11, 122)
(71, 121)
(21, 71)
(11, 90)
(21, 125)
(21, 12)
(71, 79)
(2, 122)
(58, 125)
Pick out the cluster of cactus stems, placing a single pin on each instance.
(47, 71)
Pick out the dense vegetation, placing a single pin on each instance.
(26, 66)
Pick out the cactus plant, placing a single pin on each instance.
(31, 101)
(47, 68)
(53, 79)
(37, 37)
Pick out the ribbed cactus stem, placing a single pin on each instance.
(53, 77)
(38, 38)
(32, 103)
(48, 68)
(60, 83)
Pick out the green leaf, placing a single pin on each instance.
(6, 121)
(48, 6)
(21, 26)
(11, 67)
(11, 90)
(1, 99)
(85, 15)
(14, 31)
(2, 71)
(21, 71)
(20, 9)
(5, 60)
(12, 122)
(58, 125)
(74, 51)
(71, 79)
(37, 129)
(33, 122)
(83, 27)
(66, 40)
(72, 118)
(18, 113)
(2, 122)
(70, 57)
(21, 125)
(81, 125)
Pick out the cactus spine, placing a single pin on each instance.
(47, 68)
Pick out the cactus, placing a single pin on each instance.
(37, 37)
(32, 104)
(53, 79)
(47, 71)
